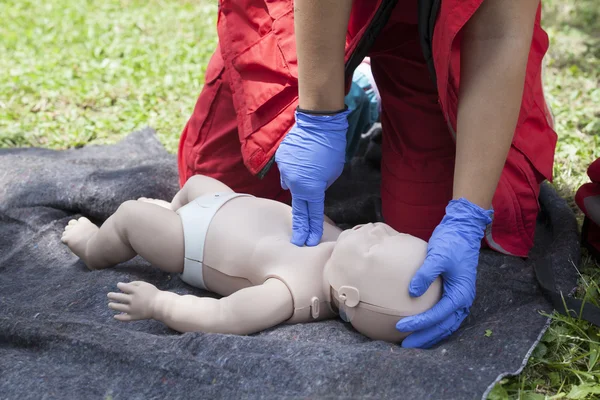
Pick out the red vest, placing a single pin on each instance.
(265, 87)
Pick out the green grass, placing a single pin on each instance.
(79, 72)
(76, 72)
(572, 80)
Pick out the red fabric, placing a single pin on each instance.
(417, 163)
(588, 200)
(247, 104)
(594, 171)
(210, 143)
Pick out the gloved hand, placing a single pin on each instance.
(310, 159)
(453, 253)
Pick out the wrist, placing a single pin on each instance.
(161, 304)
(303, 115)
(325, 124)
(322, 112)
(326, 93)
(468, 213)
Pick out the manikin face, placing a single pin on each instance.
(364, 245)
(370, 270)
(364, 237)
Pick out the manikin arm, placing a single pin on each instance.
(246, 311)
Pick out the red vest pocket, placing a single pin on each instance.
(266, 81)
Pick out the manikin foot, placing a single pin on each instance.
(77, 234)
(161, 203)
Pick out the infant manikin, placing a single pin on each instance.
(238, 246)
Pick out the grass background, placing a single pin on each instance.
(75, 72)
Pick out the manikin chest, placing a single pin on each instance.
(248, 242)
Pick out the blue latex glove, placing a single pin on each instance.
(310, 159)
(453, 253)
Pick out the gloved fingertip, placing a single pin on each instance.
(299, 238)
(424, 277)
(405, 324)
(410, 343)
(414, 292)
(417, 340)
(314, 239)
(297, 242)
(315, 235)
(417, 287)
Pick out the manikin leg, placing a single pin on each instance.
(151, 231)
(138, 227)
(195, 187)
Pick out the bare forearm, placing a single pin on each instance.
(493, 63)
(320, 29)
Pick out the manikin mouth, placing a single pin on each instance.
(335, 306)
(333, 302)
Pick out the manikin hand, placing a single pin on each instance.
(453, 253)
(135, 302)
(310, 159)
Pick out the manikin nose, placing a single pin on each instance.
(378, 231)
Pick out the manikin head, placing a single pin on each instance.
(369, 272)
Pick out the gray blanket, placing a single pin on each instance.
(58, 339)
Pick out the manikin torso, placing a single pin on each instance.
(245, 248)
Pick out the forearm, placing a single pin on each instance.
(189, 313)
(320, 28)
(494, 53)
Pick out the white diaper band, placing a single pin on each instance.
(195, 218)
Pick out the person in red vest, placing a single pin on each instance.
(467, 135)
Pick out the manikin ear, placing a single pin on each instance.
(349, 296)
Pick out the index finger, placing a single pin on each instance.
(316, 218)
(299, 221)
